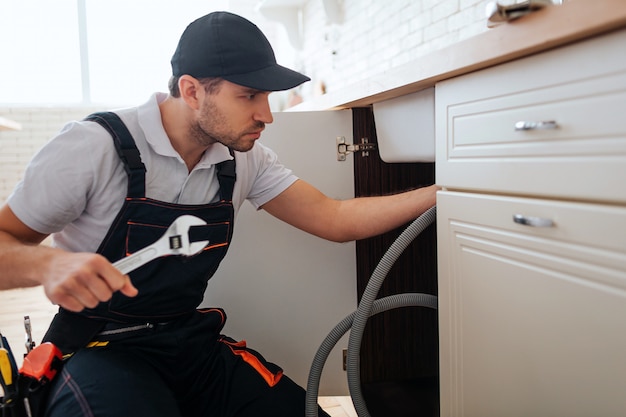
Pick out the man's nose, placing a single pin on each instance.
(263, 112)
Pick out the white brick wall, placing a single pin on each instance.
(380, 34)
(376, 35)
(17, 147)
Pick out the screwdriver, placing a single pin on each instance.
(29, 335)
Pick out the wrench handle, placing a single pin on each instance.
(137, 259)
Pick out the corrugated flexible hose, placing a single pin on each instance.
(356, 321)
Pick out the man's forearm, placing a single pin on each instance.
(18, 262)
(365, 217)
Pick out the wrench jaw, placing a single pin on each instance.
(196, 247)
(181, 236)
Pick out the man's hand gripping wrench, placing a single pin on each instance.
(175, 241)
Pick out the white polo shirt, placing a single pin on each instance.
(76, 184)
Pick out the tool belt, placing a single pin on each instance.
(30, 389)
(26, 391)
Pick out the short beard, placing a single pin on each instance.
(205, 130)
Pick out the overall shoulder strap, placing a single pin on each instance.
(227, 176)
(126, 149)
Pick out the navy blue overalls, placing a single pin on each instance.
(156, 354)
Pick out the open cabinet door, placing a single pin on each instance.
(284, 290)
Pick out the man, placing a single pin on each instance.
(104, 194)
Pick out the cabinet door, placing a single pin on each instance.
(532, 319)
(284, 290)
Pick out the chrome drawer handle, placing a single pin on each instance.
(532, 221)
(546, 125)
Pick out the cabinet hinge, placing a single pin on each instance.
(343, 148)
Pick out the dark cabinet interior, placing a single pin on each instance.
(399, 353)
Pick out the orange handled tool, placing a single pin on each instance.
(42, 363)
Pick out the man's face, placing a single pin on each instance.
(234, 116)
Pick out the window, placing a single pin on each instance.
(125, 54)
(40, 52)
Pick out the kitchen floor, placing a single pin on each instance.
(15, 304)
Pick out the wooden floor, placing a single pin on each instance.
(14, 305)
(338, 406)
(32, 302)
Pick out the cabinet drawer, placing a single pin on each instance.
(572, 103)
(531, 319)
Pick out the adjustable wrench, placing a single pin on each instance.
(175, 241)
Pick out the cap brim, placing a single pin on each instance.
(272, 78)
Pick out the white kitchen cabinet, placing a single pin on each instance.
(533, 319)
(532, 313)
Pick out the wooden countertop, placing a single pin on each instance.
(539, 31)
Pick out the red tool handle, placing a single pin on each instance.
(42, 363)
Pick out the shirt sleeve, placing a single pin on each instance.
(271, 176)
(59, 181)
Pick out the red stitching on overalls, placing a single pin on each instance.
(239, 349)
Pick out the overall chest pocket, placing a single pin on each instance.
(170, 285)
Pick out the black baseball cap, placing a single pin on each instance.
(225, 45)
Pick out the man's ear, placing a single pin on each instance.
(191, 91)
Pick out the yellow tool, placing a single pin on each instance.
(8, 371)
